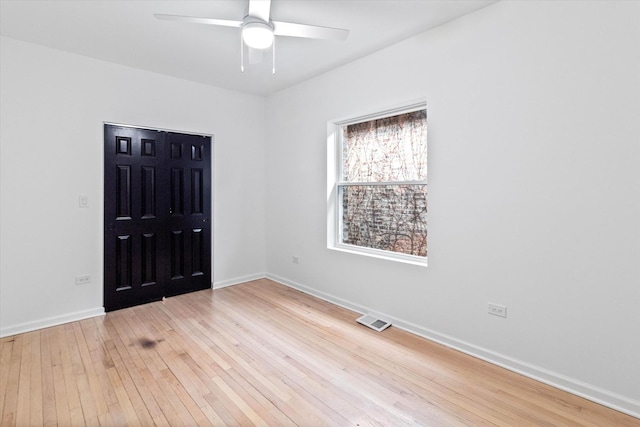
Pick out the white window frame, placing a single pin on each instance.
(334, 175)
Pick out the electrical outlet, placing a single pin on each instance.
(83, 280)
(497, 310)
(295, 260)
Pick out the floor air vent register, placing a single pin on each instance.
(373, 323)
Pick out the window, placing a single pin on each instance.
(378, 197)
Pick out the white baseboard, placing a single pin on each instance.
(50, 321)
(590, 392)
(238, 280)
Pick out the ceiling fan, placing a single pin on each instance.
(258, 31)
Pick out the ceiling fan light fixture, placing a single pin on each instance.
(258, 35)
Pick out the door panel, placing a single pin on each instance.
(124, 261)
(190, 213)
(133, 216)
(149, 259)
(154, 200)
(148, 190)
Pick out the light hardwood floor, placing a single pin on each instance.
(260, 353)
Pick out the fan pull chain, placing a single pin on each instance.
(241, 54)
(273, 61)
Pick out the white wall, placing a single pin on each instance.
(534, 190)
(53, 105)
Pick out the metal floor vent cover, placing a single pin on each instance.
(373, 323)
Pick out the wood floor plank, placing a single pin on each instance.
(36, 388)
(124, 399)
(63, 414)
(49, 417)
(8, 415)
(24, 385)
(6, 347)
(71, 370)
(263, 354)
(91, 377)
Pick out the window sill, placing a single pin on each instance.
(373, 253)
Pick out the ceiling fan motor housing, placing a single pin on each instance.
(256, 33)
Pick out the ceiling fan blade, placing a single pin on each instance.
(194, 20)
(308, 31)
(260, 9)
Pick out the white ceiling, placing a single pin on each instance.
(125, 32)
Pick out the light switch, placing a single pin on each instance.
(83, 201)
